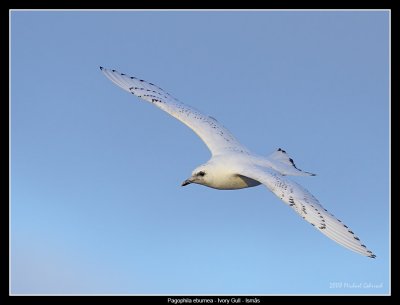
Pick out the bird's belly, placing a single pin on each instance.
(234, 183)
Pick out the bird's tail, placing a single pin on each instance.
(282, 163)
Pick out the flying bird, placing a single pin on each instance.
(232, 166)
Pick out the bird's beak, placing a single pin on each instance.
(186, 182)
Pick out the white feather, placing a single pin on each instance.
(232, 166)
(308, 207)
(217, 138)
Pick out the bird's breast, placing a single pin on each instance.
(234, 182)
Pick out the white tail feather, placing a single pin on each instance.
(282, 163)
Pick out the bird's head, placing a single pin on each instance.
(201, 175)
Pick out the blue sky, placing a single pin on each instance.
(96, 201)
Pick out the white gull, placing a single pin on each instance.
(232, 166)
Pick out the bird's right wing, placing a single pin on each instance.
(308, 207)
(217, 138)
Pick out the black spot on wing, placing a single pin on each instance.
(371, 255)
(161, 92)
(294, 165)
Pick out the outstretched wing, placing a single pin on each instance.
(217, 138)
(308, 207)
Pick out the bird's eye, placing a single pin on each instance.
(201, 174)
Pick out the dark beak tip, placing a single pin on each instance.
(186, 182)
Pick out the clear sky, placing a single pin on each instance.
(96, 201)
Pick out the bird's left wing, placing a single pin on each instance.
(308, 207)
(217, 138)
